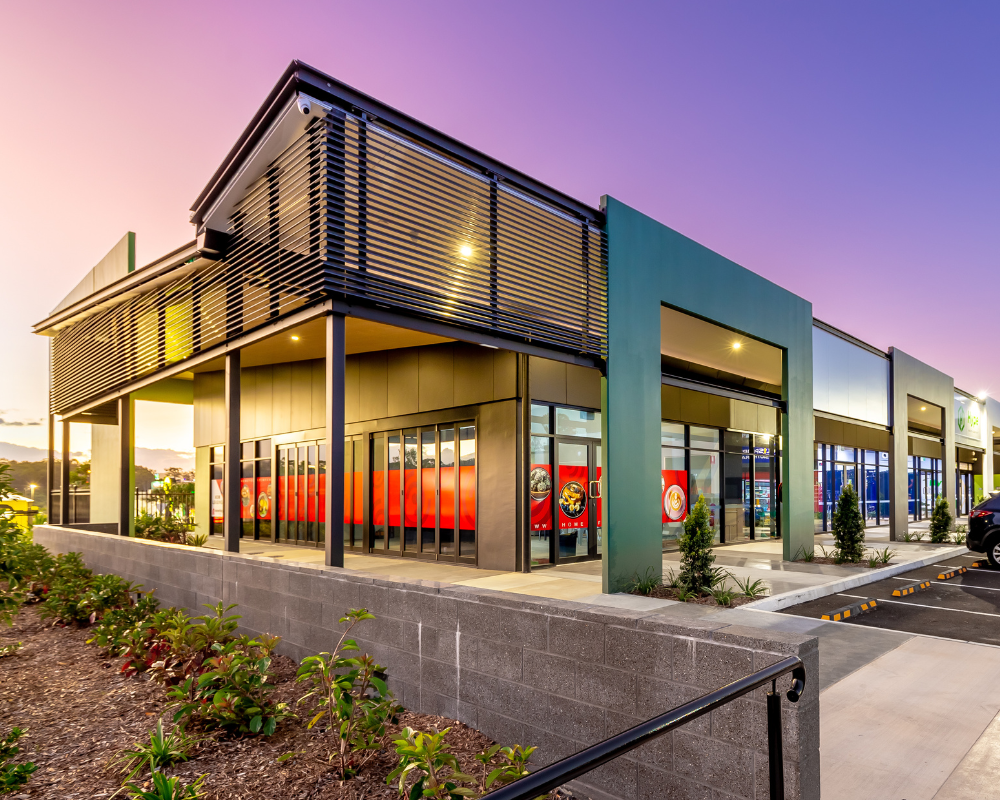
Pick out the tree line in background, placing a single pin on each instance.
(25, 473)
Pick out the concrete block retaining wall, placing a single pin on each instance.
(555, 674)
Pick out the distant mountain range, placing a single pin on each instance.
(156, 460)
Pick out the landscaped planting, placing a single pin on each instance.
(155, 704)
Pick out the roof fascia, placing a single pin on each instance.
(302, 77)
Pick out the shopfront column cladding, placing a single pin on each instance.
(913, 378)
(648, 265)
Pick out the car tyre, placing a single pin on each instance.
(993, 550)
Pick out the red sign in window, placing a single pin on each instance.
(673, 495)
(572, 497)
(541, 497)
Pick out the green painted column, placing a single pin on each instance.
(650, 265)
(630, 418)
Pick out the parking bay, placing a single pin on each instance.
(966, 607)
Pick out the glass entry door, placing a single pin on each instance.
(577, 499)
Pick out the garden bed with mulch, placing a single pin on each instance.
(80, 711)
(670, 593)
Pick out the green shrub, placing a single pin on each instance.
(351, 696)
(849, 527)
(644, 584)
(751, 588)
(13, 776)
(164, 788)
(161, 529)
(941, 520)
(696, 550)
(426, 758)
(163, 750)
(234, 693)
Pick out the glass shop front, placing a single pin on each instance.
(737, 472)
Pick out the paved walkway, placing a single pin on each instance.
(582, 581)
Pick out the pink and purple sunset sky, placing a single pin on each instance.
(847, 151)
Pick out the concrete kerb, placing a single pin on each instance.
(793, 598)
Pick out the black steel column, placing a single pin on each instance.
(64, 515)
(126, 483)
(524, 479)
(231, 471)
(50, 470)
(334, 510)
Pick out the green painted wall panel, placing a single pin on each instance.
(650, 264)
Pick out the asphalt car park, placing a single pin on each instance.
(965, 607)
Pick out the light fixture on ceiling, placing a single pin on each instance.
(737, 345)
(295, 338)
(923, 408)
(982, 395)
(465, 251)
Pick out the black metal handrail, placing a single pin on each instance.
(555, 775)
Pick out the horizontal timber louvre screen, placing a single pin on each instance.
(273, 265)
(354, 210)
(418, 232)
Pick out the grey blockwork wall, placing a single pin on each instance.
(284, 398)
(558, 675)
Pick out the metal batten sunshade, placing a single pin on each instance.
(356, 211)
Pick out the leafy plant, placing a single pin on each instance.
(13, 776)
(111, 631)
(849, 527)
(724, 597)
(234, 694)
(164, 788)
(163, 750)
(959, 536)
(9, 649)
(941, 521)
(197, 539)
(912, 537)
(645, 584)
(513, 765)
(884, 556)
(696, 549)
(718, 577)
(803, 555)
(162, 529)
(670, 580)
(425, 757)
(351, 696)
(751, 588)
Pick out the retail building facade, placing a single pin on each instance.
(510, 378)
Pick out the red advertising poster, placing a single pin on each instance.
(347, 498)
(572, 497)
(429, 491)
(263, 498)
(246, 499)
(541, 497)
(321, 481)
(394, 497)
(303, 499)
(673, 497)
(448, 497)
(410, 498)
(359, 511)
(467, 498)
(378, 503)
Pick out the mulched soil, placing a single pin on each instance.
(80, 711)
(668, 593)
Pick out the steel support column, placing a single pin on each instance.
(50, 470)
(231, 472)
(126, 468)
(334, 503)
(64, 515)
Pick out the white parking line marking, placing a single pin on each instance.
(921, 605)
